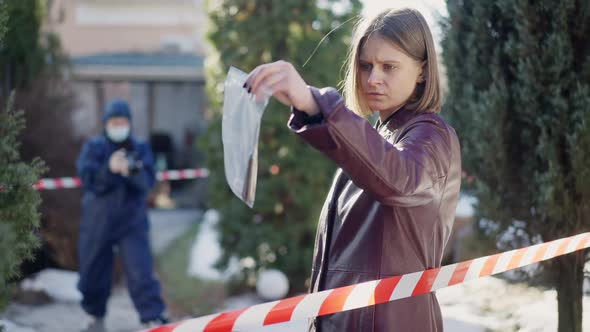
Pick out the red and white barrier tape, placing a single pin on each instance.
(182, 174)
(75, 182)
(377, 291)
(58, 183)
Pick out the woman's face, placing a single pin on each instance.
(388, 76)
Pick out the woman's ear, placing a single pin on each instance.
(422, 75)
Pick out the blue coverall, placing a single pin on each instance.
(114, 215)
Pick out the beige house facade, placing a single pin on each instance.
(99, 26)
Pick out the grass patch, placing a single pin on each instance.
(186, 295)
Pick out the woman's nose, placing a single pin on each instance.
(374, 78)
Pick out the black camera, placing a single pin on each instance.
(134, 162)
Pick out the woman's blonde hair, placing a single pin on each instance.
(407, 30)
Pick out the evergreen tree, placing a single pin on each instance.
(19, 201)
(3, 21)
(32, 63)
(22, 57)
(519, 97)
(293, 179)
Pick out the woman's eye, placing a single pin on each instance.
(389, 67)
(365, 66)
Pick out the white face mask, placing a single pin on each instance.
(118, 134)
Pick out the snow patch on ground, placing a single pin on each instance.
(206, 251)
(496, 304)
(60, 285)
(11, 327)
(465, 206)
(69, 317)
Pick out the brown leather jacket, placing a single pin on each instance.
(390, 209)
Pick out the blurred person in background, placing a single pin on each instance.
(117, 172)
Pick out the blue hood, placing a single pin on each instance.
(117, 108)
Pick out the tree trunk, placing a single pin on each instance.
(568, 272)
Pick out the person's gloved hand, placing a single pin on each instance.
(118, 163)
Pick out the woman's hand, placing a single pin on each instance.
(282, 81)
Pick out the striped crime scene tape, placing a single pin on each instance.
(75, 182)
(377, 291)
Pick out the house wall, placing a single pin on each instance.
(98, 26)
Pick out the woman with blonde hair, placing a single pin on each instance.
(392, 203)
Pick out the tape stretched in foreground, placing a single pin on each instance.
(377, 291)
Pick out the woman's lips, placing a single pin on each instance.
(375, 94)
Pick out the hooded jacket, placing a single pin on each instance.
(116, 201)
(114, 217)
